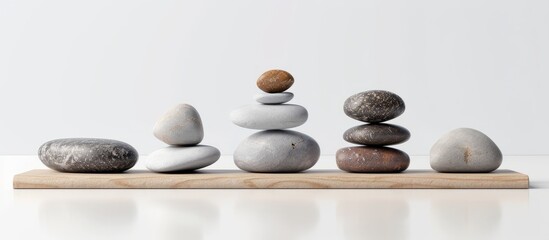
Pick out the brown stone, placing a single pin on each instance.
(372, 159)
(275, 81)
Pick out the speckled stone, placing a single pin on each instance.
(175, 158)
(181, 125)
(275, 81)
(269, 117)
(465, 150)
(377, 134)
(374, 106)
(277, 151)
(274, 98)
(88, 155)
(372, 159)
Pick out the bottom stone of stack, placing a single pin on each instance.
(182, 158)
(366, 159)
(277, 151)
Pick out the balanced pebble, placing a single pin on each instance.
(465, 150)
(88, 155)
(377, 134)
(181, 125)
(374, 106)
(275, 81)
(277, 151)
(367, 159)
(274, 98)
(172, 159)
(267, 117)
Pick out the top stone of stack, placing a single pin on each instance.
(275, 81)
(180, 126)
(374, 106)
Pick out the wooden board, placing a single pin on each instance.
(211, 179)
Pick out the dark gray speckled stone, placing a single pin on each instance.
(377, 134)
(88, 155)
(374, 106)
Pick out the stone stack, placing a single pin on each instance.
(374, 107)
(274, 149)
(181, 127)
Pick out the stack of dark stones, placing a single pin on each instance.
(374, 107)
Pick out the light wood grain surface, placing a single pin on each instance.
(223, 179)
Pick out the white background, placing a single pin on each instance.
(111, 68)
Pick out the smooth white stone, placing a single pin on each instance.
(465, 150)
(277, 151)
(274, 98)
(268, 117)
(181, 125)
(175, 158)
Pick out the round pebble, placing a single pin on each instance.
(274, 98)
(275, 81)
(377, 134)
(372, 160)
(465, 150)
(181, 125)
(277, 151)
(267, 117)
(173, 159)
(88, 155)
(374, 106)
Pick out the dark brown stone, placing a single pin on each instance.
(372, 159)
(374, 106)
(377, 134)
(275, 81)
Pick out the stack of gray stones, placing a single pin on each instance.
(181, 128)
(374, 107)
(274, 149)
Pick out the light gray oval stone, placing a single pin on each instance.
(274, 98)
(181, 125)
(465, 150)
(269, 117)
(177, 158)
(277, 151)
(88, 155)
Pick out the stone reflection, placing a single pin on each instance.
(276, 214)
(90, 214)
(186, 214)
(463, 214)
(372, 214)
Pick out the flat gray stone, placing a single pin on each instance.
(88, 155)
(374, 106)
(181, 125)
(277, 151)
(274, 98)
(465, 150)
(182, 158)
(269, 117)
(377, 134)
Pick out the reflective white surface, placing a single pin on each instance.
(276, 214)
